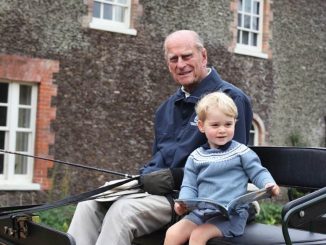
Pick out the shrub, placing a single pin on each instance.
(270, 213)
(57, 218)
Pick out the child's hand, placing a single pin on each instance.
(275, 188)
(179, 208)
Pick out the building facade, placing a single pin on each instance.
(80, 80)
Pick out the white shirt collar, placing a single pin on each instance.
(187, 94)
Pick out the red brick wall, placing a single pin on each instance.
(25, 69)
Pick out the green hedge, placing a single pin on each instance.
(58, 218)
(270, 213)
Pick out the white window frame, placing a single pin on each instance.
(111, 25)
(254, 131)
(9, 180)
(257, 131)
(250, 49)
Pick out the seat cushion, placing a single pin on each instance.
(255, 234)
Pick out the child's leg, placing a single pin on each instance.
(179, 233)
(201, 234)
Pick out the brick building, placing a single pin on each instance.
(80, 80)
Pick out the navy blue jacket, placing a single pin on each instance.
(176, 132)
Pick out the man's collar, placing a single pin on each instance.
(209, 70)
(210, 82)
(186, 93)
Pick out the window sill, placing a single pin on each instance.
(9, 186)
(106, 27)
(249, 52)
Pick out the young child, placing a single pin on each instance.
(218, 171)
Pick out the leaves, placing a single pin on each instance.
(58, 218)
(270, 213)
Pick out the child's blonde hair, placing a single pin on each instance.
(218, 100)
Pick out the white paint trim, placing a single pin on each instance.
(250, 52)
(106, 26)
(23, 186)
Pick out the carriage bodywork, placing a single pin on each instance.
(290, 166)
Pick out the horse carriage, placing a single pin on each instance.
(303, 220)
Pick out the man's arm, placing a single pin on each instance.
(244, 121)
(163, 181)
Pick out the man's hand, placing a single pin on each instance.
(159, 182)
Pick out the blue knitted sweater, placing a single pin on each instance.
(222, 174)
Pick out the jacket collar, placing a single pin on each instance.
(211, 82)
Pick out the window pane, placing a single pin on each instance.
(3, 116)
(247, 6)
(20, 165)
(239, 37)
(22, 141)
(122, 1)
(239, 20)
(2, 146)
(255, 23)
(25, 95)
(3, 92)
(252, 135)
(119, 13)
(251, 139)
(253, 39)
(97, 10)
(256, 8)
(239, 5)
(2, 139)
(24, 118)
(245, 37)
(247, 21)
(107, 12)
(1, 163)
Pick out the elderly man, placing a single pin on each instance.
(176, 136)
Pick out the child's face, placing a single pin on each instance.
(218, 127)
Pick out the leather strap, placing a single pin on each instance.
(22, 210)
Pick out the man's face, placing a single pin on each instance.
(187, 63)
